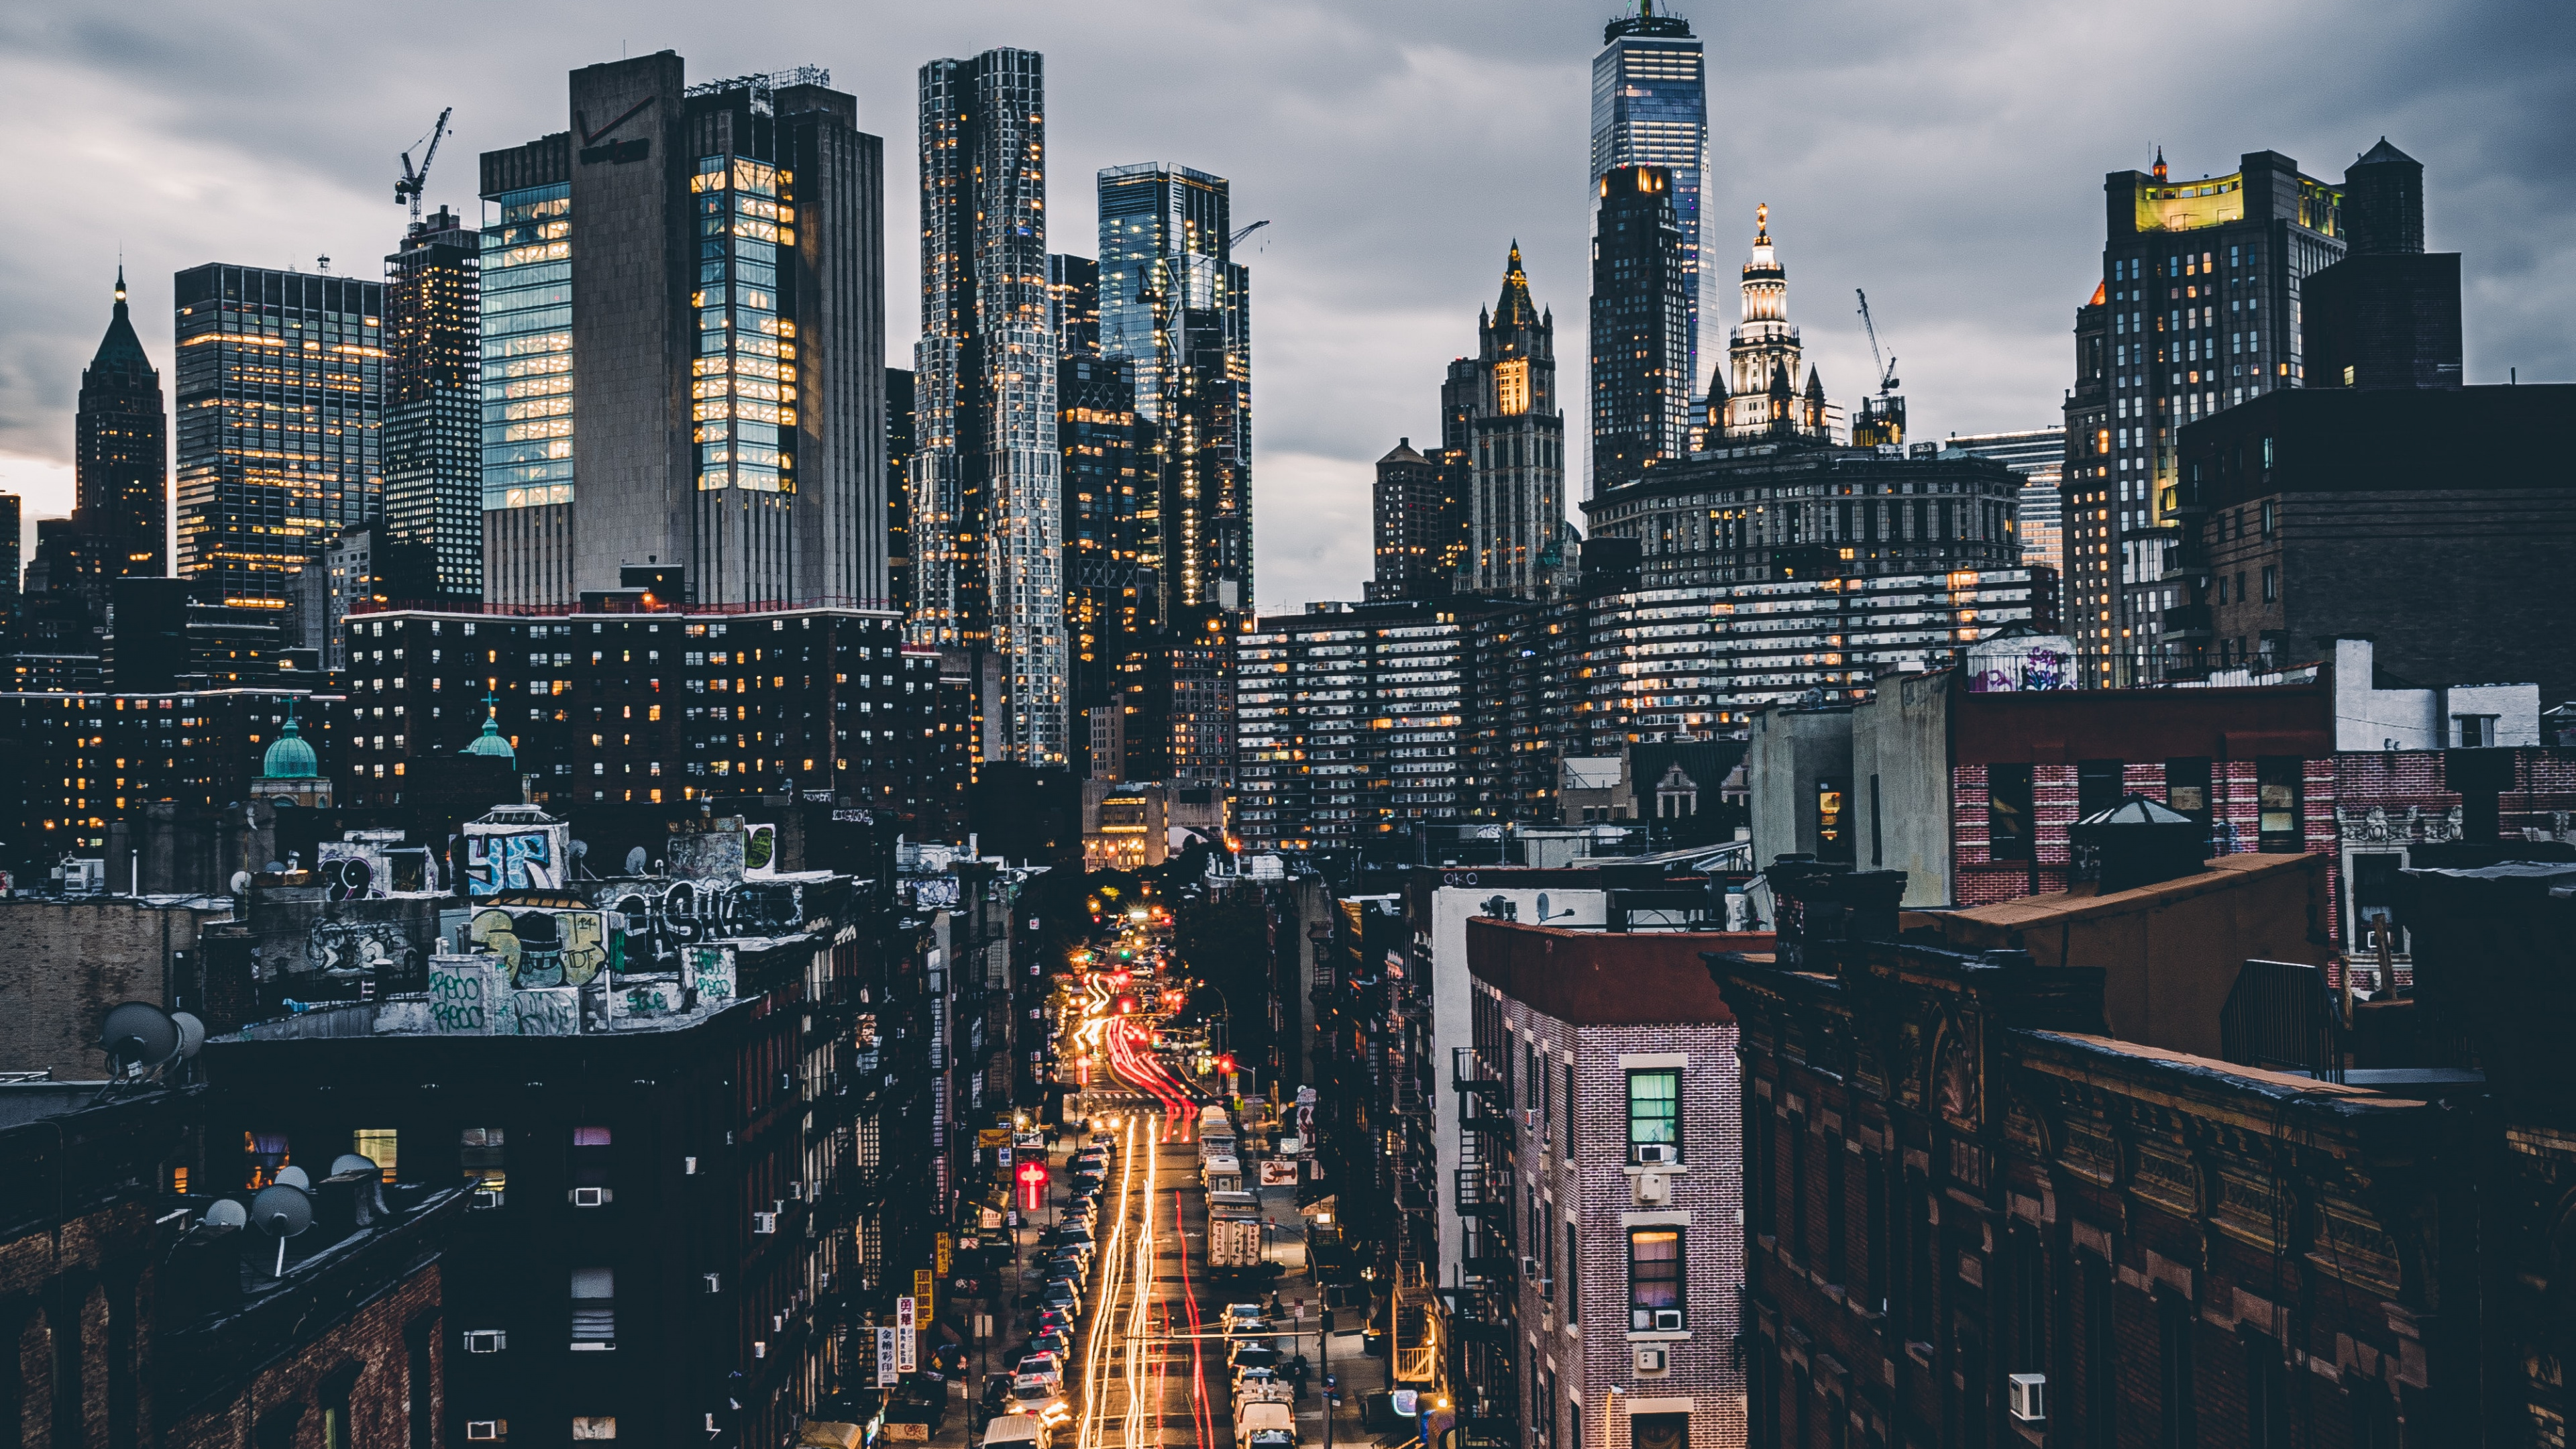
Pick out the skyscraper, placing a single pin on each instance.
(1641, 370)
(1763, 355)
(120, 500)
(1515, 445)
(1650, 108)
(735, 267)
(2197, 310)
(986, 528)
(281, 410)
(898, 460)
(433, 412)
(1174, 303)
(1418, 525)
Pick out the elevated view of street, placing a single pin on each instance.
(1158, 1295)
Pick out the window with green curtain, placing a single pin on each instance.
(1654, 1111)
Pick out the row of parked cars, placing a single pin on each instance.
(1031, 1403)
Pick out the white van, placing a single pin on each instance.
(1015, 1431)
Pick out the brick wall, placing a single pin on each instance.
(68, 962)
(368, 1358)
(1591, 1193)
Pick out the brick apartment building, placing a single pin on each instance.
(1975, 1217)
(1972, 794)
(1599, 1173)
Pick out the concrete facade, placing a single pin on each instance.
(71, 961)
(1800, 767)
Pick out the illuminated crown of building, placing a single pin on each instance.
(1761, 397)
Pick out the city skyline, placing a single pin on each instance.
(1974, 289)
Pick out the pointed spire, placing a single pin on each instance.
(1515, 310)
(1781, 387)
(1815, 384)
(120, 351)
(2160, 160)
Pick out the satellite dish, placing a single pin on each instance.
(352, 1162)
(241, 882)
(282, 1211)
(295, 1177)
(580, 848)
(138, 1035)
(192, 1033)
(226, 1215)
(276, 867)
(635, 861)
(1542, 907)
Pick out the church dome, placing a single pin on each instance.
(491, 743)
(289, 758)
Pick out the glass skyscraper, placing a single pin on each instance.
(281, 402)
(987, 531)
(1650, 108)
(1176, 306)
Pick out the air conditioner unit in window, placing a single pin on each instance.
(764, 1222)
(481, 1430)
(1654, 1154)
(487, 1197)
(714, 1282)
(1653, 1189)
(1650, 1360)
(486, 1340)
(1529, 1267)
(589, 1197)
(1529, 1118)
(759, 1348)
(2027, 1396)
(796, 1191)
(1668, 1320)
(688, 1167)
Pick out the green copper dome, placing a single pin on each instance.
(491, 743)
(289, 758)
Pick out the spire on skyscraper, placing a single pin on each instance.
(1515, 309)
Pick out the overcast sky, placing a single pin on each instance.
(1948, 158)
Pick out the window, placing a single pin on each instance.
(1836, 1214)
(2267, 1394)
(2271, 584)
(1798, 1189)
(594, 1426)
(2271, 519)
(1655, 1280)
(594, 1308)
(1877, 837)
(2187, 787)
(1570, 1113)
(421, 1406)
(1573, 1274)
(265, 1153)
(2097, 786)
(377, 1145)
(2008, 812)
(1661, 1431)
(1654, 1113)
(590, 1187)
(2476, 731)
(2029, 1342)
(2101, 1387)
(478, 1157)
(2279, 789)
(1833, 825)
(1874, 1238)
(2176, 1429)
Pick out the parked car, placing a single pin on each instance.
(1044, 1364)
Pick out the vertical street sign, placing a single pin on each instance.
(886, 1369)
(907, 1342)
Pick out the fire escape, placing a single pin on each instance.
(1485, 1300)
(1413, 1158)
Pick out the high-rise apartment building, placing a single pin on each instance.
(1650, 108)
(1108, 471)
(986, 478)
(1175, 305)
(1641, 319)
(1763, 354)
(2197, 310)
(898, 461)
(1503, 401)
(11, 559)
(2039, 456)
(694, 273)
(281, 410)
(434, 412)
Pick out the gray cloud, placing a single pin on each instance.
(1946, 158)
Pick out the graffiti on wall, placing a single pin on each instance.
(464, 994)
(712, 972)
(522, 861)
(663, 921)
(546, 1011)
(350, 950)
(543, 947)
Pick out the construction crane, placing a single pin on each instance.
(410, 186)
(1886, 365)
(1237, 239)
